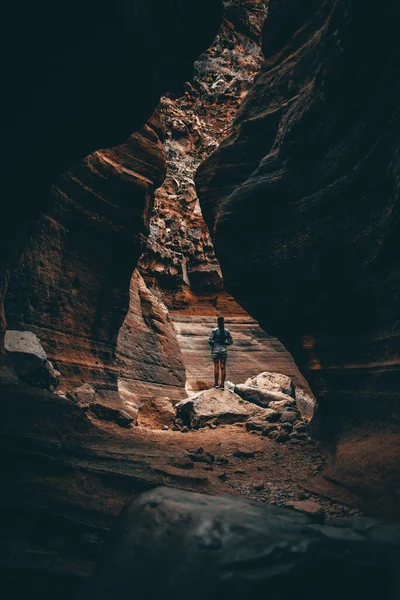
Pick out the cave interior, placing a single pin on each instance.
(166, 163)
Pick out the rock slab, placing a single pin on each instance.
(211, 405)
(230, 548)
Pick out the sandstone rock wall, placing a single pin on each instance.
(302, 201)
(179, 250)
(72, 285)
(149, 357)
(252, 352)
(78, 78)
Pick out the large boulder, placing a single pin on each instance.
(211, 405)
(29, 360)
(173, 544)
(272, 382)
(260, 397)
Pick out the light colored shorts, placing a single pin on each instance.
(219, 352)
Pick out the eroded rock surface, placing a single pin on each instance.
(244, 548)
(79, 82)
(217, 406)
(252, 352)
(74, 286)
(179, 250)
(149, 358)
(301, 200)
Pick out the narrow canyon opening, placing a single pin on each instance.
(260, 184)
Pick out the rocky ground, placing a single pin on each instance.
(245, 463)
(70, 465)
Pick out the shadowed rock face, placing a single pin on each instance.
(243, 548)
(81, 78)
(149, 358)
(302, 200)
(72, 285)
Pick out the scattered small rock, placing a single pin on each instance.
(240, 472)
(165, 428)
(294, 441)
(199, 455)
(282, 437)
(115, 415)
(272, 416)
(244, 453)
(299, 436)
(184, 429)
(309, 507)
(289, 417)
(301, 427)
(287, 427)
(269, 428)
(255, 424)
(258, 486)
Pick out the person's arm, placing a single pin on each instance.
(228, 338)
(211, 339)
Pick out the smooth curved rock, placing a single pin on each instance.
(78, 78)
(302, 203)
(230, 549)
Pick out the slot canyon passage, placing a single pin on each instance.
(164, 163)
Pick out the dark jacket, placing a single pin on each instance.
(214, 339)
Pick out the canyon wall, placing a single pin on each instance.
(179, 262)
(302, 201)
(72, 285)
(179, 253)
(80, 79)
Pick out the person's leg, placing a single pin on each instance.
(216, 371)
(223, 371)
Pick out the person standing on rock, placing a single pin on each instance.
(219, 340)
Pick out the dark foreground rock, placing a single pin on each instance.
(174, 544)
